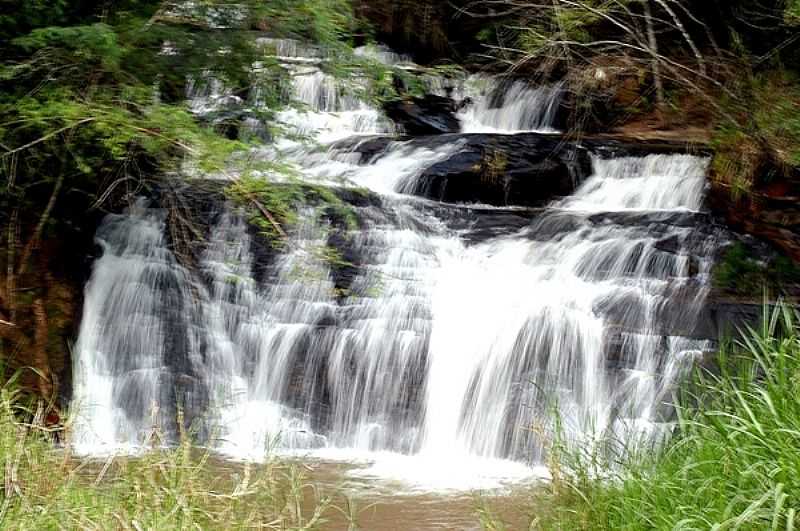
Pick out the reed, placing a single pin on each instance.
(184, 487)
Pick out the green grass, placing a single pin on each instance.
(166, 489)
(733, 462)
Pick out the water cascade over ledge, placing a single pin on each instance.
(435, 355)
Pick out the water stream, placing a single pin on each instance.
(440, 363)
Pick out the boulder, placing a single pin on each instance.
(501, 170)
(527, 169)
(774, 219)
(429, 115)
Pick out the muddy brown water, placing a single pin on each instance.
(362, 503)
(381, 505)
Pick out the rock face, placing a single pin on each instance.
(769, 216)
(526, 169)
(429, 115)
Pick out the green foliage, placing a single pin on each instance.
(257, 193)
(777, 114)
(93, 113)
(329, 23)
(741, 273)
(281, 200)
(384, 83)
(738, 156)
(88, 43)
(759, 142)
(732, 463)
(333, 205)
(78, 101)
(791, 13)
(351, 72)
(572, 22)
(17, 16)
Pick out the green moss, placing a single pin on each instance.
(493, 166)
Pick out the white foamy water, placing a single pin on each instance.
(430, 360)
(552, 328)
(654, 182)
(394, 172)
(135, 301)
(382, 54)
(506, 107)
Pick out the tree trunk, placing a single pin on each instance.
(655, 61)
(40, 360)
(10, 298)
(37, 233)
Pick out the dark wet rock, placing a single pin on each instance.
(528, 169)
(523, 170)
(358, 197)
(367, 148)
(670, 244)
(489, 224)
(653, 219)
(727, 317)
(234, 120)
(769, 216)
(428, 115)
(555, 225)
(345, 267)
(476, 224)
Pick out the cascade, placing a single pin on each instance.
(131, 340)
(433, 350)
(507, 106)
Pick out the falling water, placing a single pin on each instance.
(439, 358)
(326, 111)
(540, 317)
(489, 105)
(131, 340)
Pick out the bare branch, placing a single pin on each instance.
(701, 64)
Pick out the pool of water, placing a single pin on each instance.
(387, 504)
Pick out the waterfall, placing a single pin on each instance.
(539, 318)
(437, 357)
(383, 54)
(492, 105)
(132, 336)
(327, 111)
(508, 106)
